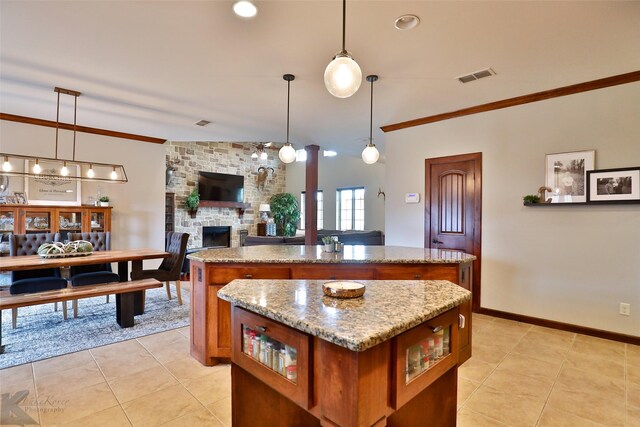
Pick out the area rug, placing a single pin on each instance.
(42, 332)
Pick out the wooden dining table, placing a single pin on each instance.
(122, 257)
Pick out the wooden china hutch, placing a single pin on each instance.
(26, 219)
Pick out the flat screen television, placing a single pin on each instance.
(221, 187)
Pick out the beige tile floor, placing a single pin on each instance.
(519, 375)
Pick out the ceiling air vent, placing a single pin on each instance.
(476, 75)
(202, 123)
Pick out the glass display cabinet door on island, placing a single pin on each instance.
(273, 353)
(425, 353)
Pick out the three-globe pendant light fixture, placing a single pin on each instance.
(342, 78)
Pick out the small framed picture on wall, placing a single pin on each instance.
(567, 175)
(620, 185)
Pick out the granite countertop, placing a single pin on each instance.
(314, 254)
(388, 307)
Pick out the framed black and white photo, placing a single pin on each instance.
(567, 175)
(21, 198)
(621, 185)
(50, 188)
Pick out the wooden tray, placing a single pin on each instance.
(70, 254)
(343, 289)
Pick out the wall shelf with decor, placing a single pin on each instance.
(621, 202)
(532, 205)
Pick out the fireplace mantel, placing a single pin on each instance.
(238, 205)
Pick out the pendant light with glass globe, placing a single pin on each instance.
(370, 154)
(343, 76)
(287, 153)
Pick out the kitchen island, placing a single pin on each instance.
(214, 268)
(387, 358)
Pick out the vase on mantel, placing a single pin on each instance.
(193, 212)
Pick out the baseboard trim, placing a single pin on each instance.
(614, 336)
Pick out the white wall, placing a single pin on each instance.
(138, 206)
(572, 264)
(339, 172)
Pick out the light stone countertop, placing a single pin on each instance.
(388, 307)
(356, 254)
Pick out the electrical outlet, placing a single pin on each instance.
(625, 309)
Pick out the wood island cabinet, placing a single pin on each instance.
(211, 316)
(397, 383)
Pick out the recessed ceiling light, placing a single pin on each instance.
(202, 122)
(407, 22)
(245, 9)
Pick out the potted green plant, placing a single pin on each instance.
(328, 243)
(104, 201)
(285, 212)
(191, 203)
(530, 199)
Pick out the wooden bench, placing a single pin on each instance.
(124, 291)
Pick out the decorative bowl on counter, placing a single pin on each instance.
(343, 289)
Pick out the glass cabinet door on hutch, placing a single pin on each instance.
(7, 224)
(70, 221)
(97, 220)
(37, 220)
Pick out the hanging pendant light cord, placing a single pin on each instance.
(57, 123)
(288, 97)
(344, 25)
(75, 110)
(371, 116)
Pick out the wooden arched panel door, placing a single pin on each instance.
(453, 208)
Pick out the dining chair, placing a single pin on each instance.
(93, 274)
(33, 281)
(170, 268)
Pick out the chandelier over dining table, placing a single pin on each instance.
(59, 168)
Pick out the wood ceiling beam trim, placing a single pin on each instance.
(520, 100)
(85, 129)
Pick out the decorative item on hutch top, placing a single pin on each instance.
(51, 168)
(567, 175)
(621, 185)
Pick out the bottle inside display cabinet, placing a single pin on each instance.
(425, 354)
(273, 354)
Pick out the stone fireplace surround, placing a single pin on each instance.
(188, 158)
